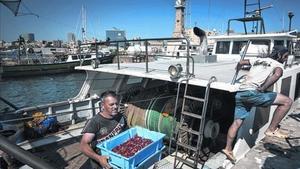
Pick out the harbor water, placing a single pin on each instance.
(37, 90)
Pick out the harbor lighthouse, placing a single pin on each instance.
(179, 19)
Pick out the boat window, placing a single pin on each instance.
(278, 42)
(74, 57)
(223, 47)
(289, 44)
(181, 47)
(261, 42)
(297, 90)
(63, 58)
(102, 82)
(285, 86)
(237, 46)
(88, 56)
(133, 80)
(193, 47)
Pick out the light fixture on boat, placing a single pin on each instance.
(175, 71)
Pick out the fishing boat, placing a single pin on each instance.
(10, 71)
(52, 65)
(167, 89)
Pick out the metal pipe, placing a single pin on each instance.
(242, 58)
(52, 115)
(290, 14)
(193, 67)
(9, 103)
(97, 53)
(187, 58)
(80, 61)
(146, 56)
(118, 56)
(137, 40)
(19, 51)
(23, 155)
(228, 26)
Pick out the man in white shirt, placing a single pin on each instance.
(264, 72)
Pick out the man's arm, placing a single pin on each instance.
(277, 73)
(87, 150)
(242, 63)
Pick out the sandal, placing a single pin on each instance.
(229, 155)
(277, 133)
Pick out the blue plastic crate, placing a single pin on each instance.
(145, 164)
(151, 153)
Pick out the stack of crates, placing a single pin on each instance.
(143, 158)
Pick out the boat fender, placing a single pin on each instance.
(211, 129)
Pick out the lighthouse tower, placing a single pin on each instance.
(179, 20)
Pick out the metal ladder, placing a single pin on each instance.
(183, 128)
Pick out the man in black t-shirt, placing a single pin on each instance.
(104, 125)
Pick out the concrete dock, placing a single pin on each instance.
(275, 153)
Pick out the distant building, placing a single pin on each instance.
(115, 35)
(39, 43)
(57, 43)
(28, 37)
(71, 37)
(2, 42)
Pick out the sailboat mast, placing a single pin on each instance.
(83, 19)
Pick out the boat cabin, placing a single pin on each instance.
(231, 46)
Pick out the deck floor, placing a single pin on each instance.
(65, 154)
(270, 153)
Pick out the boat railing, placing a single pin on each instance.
(68, 109)
(146, 53)
(6, 102)
(74, 111)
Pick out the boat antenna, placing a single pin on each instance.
(252, 15)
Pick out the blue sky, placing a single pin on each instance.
(139, 18)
